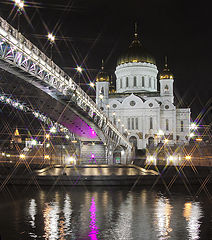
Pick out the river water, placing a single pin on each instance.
(103, 213)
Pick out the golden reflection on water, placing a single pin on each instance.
(163, 211)
(192, 213)
(51, 220)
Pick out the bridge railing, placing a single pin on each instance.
(22, 43)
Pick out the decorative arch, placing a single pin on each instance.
(151, 103)
(132, 101)
(134, 140)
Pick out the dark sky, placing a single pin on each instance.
(90, 30)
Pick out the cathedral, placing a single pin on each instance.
(146, 115)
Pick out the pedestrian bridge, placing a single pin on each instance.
(41, 79)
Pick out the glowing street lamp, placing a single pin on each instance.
(191, 135)
(188, 157)
(166, 140)
(79, 69)
(67, 136)
(33, 142)
(53, 130)
(19, 4)
(46, 157)
(193, 126)
(47, 136)
(22, 156)
(92, 84)
(160, 133)
(51, 38)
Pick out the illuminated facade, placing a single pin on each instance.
(145, 114)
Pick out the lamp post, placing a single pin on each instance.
(51, 38)
(79, 71)
(108, 107)
(20, 6)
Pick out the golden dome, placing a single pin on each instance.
(166, 74)
(102, 76)
(136, 53)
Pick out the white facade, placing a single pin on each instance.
(147, 116)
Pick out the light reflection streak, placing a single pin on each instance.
(163, 211)
(67, 213)
(32, 212)
(51, 220)
(93, 227)
(192, 213)
(123, 227)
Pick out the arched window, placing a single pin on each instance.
(181, 126)
(166, 89)
(143, 81)
(128, 123)
(167, 124)
(136, 123)
(133, 140)
(134, 82)
(150, 85)
(127, 82)
(133, 125)
(120, 83)
(150, 123)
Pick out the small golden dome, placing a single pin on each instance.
(166, 74)
(102, 76)
(136, 53)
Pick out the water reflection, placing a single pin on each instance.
(67, 214)
(192, 213)
(163, 211)
(123, 228)
(93, 226)
(51, 220)
(32, 212)
(110, 214)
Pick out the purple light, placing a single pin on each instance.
(93, 227)
(93, 132)
(92, 158)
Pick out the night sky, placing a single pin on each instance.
(90, 30)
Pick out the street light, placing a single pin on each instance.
(22, 156)
(20, 5)
(51, 38)
(188, 157)
(193, 126)
(79, 69)
(53, 130)
(160, 133)
(191, 135)
(92, 84)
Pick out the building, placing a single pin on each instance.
(145, 114)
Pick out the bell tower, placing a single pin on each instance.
(166, 83)
(102, 88)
